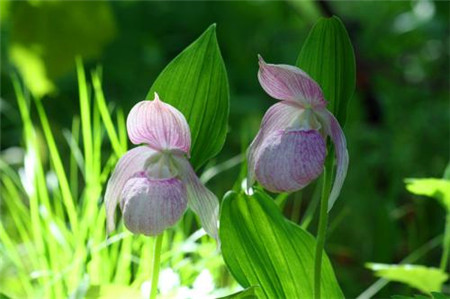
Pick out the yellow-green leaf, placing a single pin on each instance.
(432, 187)
(422, 278)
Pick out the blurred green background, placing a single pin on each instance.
(398, 120)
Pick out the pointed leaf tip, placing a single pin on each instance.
(195, 82)
(327, 56)
(211, 30)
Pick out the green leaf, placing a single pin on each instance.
(422, 278)
(327, 56)
(196, 83)
(249, 293)
(261, 247)
(108, 291)
(432, 187)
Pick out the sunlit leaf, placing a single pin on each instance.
(196, 83)
(432, 187)
(422, 278)
(261, 247)
(327, 56)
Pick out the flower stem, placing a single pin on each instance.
(322, 230)
(155, 266)
(446, 243)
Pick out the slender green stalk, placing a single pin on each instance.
(122, 129)
(86, 125)
(66, 192)
(280, 200)
(321, 234)
(29, 135)
(73, 161)
(106, 115)
(312, 206)
(156, 264)
(323, 222)
(212, 172)
(296, 208)
(446, 244)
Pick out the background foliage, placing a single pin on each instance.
(397, 123)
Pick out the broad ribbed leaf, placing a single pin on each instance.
(196, 83)
(432, 187)
(327, 56)
(423, 278)
(262, 248)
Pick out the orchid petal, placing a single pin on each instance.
(149, 206)
(279, 117)
(202, 201)
(290, 160)
(159, 125)
(334, 130)
(286, 82)
(129, 164)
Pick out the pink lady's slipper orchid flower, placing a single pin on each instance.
(154, 182)
(290, 148)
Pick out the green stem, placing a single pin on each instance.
(312, 207)
(156, 264)
(280, 200)
(296, 209)
(321, 234)
(446, 244)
